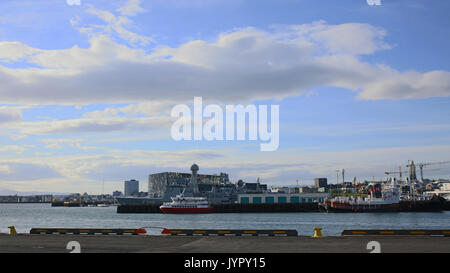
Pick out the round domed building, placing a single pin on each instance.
(194, 168)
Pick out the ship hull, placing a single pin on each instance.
(138, 201)
(186, 210)
(423, 206)
(343, 207)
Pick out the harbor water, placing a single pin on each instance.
(27, 216)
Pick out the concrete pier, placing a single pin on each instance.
(26, 243)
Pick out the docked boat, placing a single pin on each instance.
(182, 204)
(379, 200)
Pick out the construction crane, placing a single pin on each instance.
(421, 165)
(399, 172)
(389, 173)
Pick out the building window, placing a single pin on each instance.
(257, 200)
(244, 200)
(269, 200)
(281, 199)
(295, 199)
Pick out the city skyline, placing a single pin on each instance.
(86, 90)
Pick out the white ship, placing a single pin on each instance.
(181, 204)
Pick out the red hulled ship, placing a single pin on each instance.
(386, 199)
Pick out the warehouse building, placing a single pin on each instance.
(277, 198)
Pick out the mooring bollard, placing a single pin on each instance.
(12, 230)
(317, 232)
(141, 231)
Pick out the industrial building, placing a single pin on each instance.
(158, 183)
(274, 198)
(320, 182)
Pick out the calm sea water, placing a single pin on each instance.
(27, 216)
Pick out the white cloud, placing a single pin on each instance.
(53, 146)
(17, 171)
(150, 108)
(57, 143)
(242, 65)
(5, 169)
(409, 85)
(92, 125)
(15, 148)
(83, 147)
(351, 38)
(131, 8)
(61, 140)
(10, 114)
(15, 51)
(100, 114)
(16, 136)
(116, 24)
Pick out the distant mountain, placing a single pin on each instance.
(4, 191)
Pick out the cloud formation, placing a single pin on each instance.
(117, 23)
(92, 125)
(18, 171)
(10, 114)
(131, 8)
(120, 65)
(241, 65)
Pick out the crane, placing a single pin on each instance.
(399, 172)
(421, 165)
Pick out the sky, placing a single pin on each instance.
(86, 91)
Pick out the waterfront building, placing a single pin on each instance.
(307, 189)
(254, 187)
(280, 190)
(131, 187)
(445, 186)
(26, 199)
(116, 193)
(169, 184)
(320, 182)
(277, 198)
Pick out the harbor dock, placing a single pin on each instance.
(56, 243)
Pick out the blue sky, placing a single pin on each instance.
(87, 90)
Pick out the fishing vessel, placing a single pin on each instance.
(182, 204)
(380, 198)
